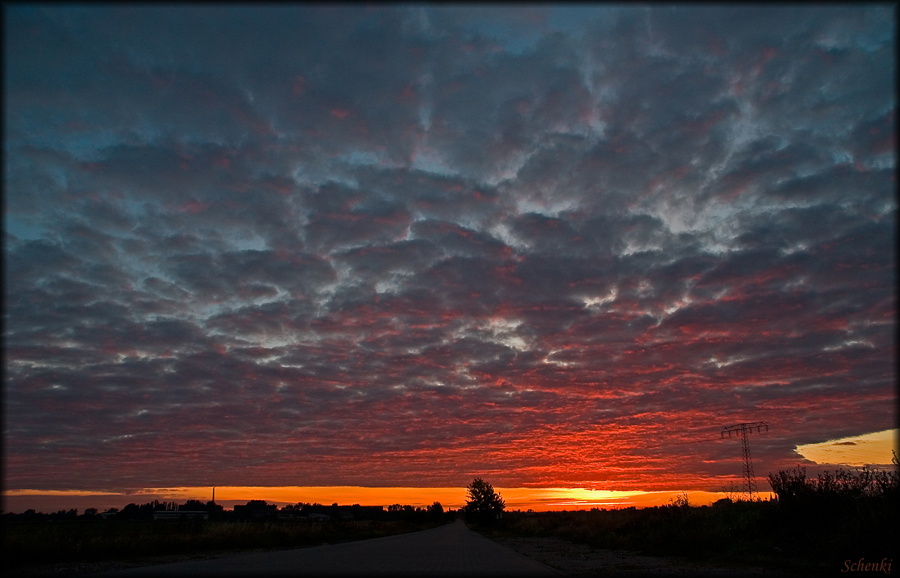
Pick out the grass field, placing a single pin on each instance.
(32, 543)
(736, 534)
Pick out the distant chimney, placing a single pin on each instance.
(214, 495)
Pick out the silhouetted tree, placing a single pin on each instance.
(483, 503)
(31, 515)
(257, 510)
(64, 515)
(136, 512)
(436, 511)
(192, 505)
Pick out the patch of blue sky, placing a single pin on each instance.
(364, 158)
(245, 243)
(428, 163)
(877, 29)
(547, 208)
(512, 38)
(318, 176)
(84, 146)
(23, 229)
(204, 311)
(518, 36)
(883, 162)
(425, 114)
(841, 157)
(575, 18)
(146, 131)
(59, 176)
(25, 131)
(92, 145)
(136, 208)
(140, 267)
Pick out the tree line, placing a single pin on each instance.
(252, 510)
(483, 505)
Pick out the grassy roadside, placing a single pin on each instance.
(28, 544)
(728, 535)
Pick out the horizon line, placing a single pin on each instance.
(522, 498)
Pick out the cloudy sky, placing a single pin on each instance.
(405, 246)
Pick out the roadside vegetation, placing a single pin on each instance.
(814, 525)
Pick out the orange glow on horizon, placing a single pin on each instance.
(537, 499)
(58, 493)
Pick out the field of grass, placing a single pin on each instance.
(29, 543)
(738, 534)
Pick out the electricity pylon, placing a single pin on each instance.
(744, 429)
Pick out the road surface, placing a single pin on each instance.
(449, 550)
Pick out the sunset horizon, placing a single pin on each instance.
(877, 449)
(566, 249)
(536, 499)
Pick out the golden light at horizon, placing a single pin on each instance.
(516, 498)
(538, 499)
(856, 451)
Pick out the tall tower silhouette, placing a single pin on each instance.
(744, 429)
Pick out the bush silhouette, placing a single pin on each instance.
(792, 487)
(845, 514)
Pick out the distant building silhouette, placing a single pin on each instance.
(332, 512)
(180, 515)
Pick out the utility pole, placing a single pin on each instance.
(744, 429)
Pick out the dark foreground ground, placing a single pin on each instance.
(80, 546)
(449, 550)
(814, 537)
(727, 539)
(581, 560)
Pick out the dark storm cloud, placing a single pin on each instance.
(489, 240)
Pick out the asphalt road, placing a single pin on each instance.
(449, 550)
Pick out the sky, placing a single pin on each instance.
(405, 246)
